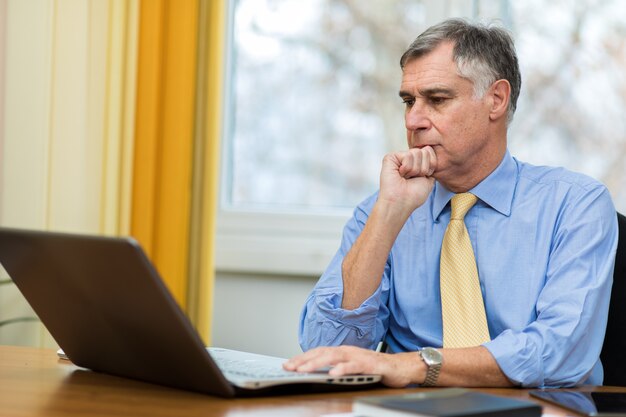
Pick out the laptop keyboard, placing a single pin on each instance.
(249, 370)
(253, 369)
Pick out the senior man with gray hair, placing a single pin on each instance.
(474, 268)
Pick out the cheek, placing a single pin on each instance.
(469, 126)
(454, 130)
(460, 136)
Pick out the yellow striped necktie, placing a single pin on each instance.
(462, 307)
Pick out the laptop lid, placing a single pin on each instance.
(107, 308)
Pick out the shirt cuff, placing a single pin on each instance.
(518, 359)
(325, 323)
(364, 316)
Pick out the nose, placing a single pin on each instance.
(416, 119)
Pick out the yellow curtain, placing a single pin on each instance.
(211, 53)
(164, 136)
(67, 122)
(177, 128)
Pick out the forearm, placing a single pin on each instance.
(465, 367)
(471, 367)
(468, 367)
(405, 184)
(364, 264)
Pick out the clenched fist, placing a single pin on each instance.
(406, 177)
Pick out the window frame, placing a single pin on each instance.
(282, 242)
(269, 243)
(264, 241)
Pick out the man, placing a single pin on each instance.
(543, 242)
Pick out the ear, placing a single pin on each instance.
(500, 92)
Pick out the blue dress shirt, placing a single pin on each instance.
(544, 240)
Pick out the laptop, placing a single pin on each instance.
(106, 306)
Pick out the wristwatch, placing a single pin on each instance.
(433, 360)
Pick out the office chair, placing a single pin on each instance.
(614, 347)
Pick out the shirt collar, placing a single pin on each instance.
(496, 190)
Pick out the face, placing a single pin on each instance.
(442, 112)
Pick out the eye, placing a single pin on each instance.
(408, 101)
(436, 100)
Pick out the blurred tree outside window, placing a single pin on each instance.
(573, 100)
(313, 103)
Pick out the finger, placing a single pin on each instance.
(424, 169)
(407, 163)
(350, 367)
(298, 360)
(324, 360)
(314, 359)
(290, 365)
(427, 160)
(432, 160)
(416, 163)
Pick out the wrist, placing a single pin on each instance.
(433, 360)
(390, 212)
(407, 368)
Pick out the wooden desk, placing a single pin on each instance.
(33, 382)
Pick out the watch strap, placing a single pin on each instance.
(431, 376)
(432, 373)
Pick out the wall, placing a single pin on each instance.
(259, 313)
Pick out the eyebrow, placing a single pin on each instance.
(429, 92)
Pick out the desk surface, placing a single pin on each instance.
(33, 382)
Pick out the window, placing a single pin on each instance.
(573, 100)
(312, 107)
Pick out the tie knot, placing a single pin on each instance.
(461, 203)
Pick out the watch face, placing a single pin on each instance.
(431, 356)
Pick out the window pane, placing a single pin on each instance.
(314, 103)
(573, 100)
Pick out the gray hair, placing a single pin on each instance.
(483, 54)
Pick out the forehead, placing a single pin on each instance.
(435, 69)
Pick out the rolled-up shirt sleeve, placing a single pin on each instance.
(323, 322)
(561, 347)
